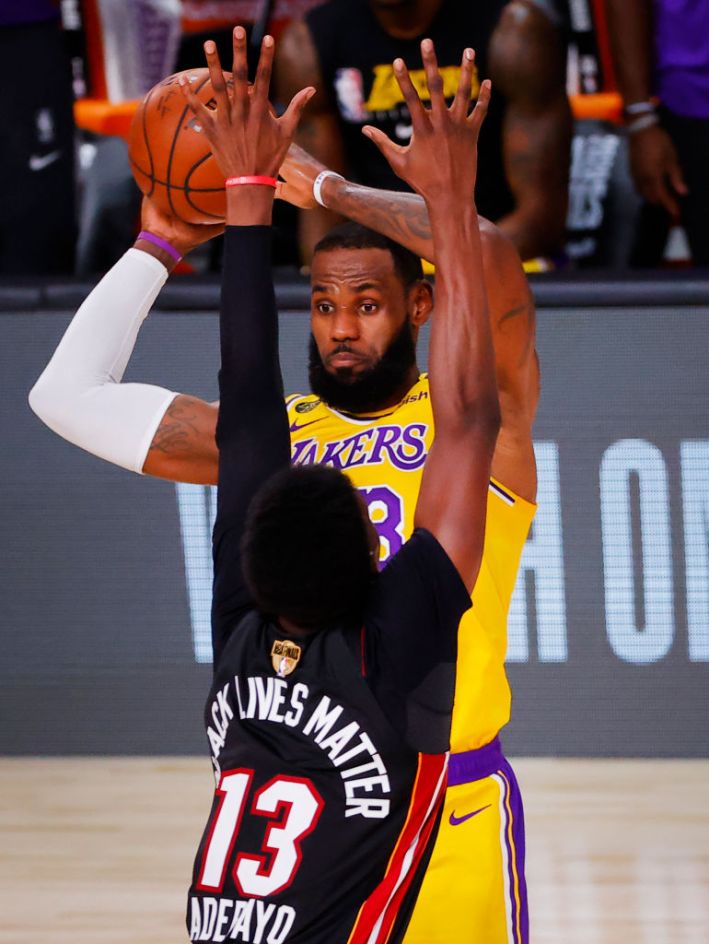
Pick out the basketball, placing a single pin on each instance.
(170, 155)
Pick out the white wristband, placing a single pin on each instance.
(642, 123)
(640, 108)
(319, 181)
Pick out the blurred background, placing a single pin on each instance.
(596, 166)
(615, 178)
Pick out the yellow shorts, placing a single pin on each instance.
(474, 891)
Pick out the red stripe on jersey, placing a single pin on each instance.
(378, 913)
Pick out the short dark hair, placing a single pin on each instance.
(355, 236)
(305, 548)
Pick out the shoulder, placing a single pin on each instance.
(499, 252)
(525, 48)
(302, 403)
(304, 409)
(233, 635)
(423, 570)
(526, 17)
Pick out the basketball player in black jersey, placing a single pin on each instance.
(329, 715)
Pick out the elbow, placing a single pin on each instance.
(485, 422)
(51, 402)
(41, 400)
(491, 420)
(481, 421)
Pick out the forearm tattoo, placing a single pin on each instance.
(402, 217)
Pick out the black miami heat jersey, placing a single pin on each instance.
(356, 55)
(330, 757)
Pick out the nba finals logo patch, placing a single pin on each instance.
(285, 656)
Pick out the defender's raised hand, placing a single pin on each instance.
(442, 155)
(245, 135)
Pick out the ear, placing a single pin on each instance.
(420, 303)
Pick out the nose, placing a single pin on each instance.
(344, 325)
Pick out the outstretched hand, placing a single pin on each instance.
(243, 131)
(441, 158)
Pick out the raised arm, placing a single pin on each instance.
(248, 143)
(440, 164)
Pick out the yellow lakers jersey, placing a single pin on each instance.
(384, 455)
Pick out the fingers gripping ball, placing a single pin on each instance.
(170, 156)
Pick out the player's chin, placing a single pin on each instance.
(350, 372)
(348, 375)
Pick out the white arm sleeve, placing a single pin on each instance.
(80, 395)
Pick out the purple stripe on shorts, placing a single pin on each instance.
(476, 765)
(515, 855)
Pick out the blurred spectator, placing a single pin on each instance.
(140, 42)
(206, 16)
(37, 227)
(661, 48)
(132, 44)
(345, 48)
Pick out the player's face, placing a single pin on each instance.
(358, 307)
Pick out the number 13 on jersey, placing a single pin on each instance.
(293, 806)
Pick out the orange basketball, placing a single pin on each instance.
(170, 156)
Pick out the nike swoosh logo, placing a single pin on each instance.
(39, 163)
(295, 426)
(457, 820)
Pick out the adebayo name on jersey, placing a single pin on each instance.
(250, 921)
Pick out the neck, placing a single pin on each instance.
(406, 20)
(412, 376)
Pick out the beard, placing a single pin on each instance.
(374, 388)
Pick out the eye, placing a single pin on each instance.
(324, 308)
(368, 308)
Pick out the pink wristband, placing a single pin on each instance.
(160, 243)
(253, 179)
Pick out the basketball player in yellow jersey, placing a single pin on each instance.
(369, 414)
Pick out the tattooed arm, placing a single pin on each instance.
(184, 447)
(403, 217)
(528, 67)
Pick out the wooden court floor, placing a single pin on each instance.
(98, 851)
